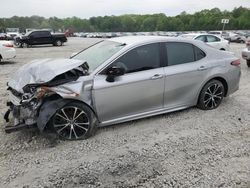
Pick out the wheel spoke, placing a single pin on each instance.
(209, 90)
(75, 113)
(60, 125)
(70, 133)
(214, 103)
(79, 115)
(219, 94)
(87, 123)
(219, 97)
(75, 133)
(65, 114)
(206, 93)
(207, 101)
(216, 89)
(62, 117)
(62, 128)
(76, 124)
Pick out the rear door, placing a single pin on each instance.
(214, 41)
(185, 71)
(139, 90)
(45, 37)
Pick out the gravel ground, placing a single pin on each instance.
(189, 148)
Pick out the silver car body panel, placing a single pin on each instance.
(141, 94)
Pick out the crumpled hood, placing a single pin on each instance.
(41, 71)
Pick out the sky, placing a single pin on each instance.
(90, 8)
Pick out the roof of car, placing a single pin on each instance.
(133, 40)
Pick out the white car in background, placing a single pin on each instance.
(7, 50)
(212, 40)
(246, 53)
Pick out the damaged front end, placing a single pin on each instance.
(32, 90)
(24, 108)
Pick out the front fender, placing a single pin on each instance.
(48, 109)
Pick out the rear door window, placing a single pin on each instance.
(44, 34)
(202, 38)
(179, 53)
(211, 38)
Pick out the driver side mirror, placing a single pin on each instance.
(113, 72)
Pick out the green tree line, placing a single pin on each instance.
(202, 20)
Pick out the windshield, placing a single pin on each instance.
(27, 34)
(99, 53)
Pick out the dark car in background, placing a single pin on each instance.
(39, 37)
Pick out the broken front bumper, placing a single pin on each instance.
(20, 114)
(17, 115)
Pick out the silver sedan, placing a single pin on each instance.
(118, 80)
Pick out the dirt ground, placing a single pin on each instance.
(189, 148)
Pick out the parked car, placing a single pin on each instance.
(246, 53)
(7, 50)
(222, 34)
(3, 36)
(234, 37)
(11, 33)
(40, 37)
(212, 40)
(119, 80)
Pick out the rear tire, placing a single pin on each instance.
(211, 95)
(74, 121)
(248, 63)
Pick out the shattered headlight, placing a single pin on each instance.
(36, 94)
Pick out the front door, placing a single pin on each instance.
(139, 90)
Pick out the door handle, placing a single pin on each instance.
(157, 76)
(201, 68)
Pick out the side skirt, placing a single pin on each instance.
(141, 115)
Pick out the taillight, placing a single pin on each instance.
(8, 45)
(236, 62)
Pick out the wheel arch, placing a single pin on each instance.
(219, 78)
(49, 108)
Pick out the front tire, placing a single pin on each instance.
(24, 45)
(211, 95)
(74, 121)
(248, 63)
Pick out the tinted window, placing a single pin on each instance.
(199, 54)
(44, 34)
(142, 58)
(211, 38)
(34, 34)
(179, 53)
(201, 38)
